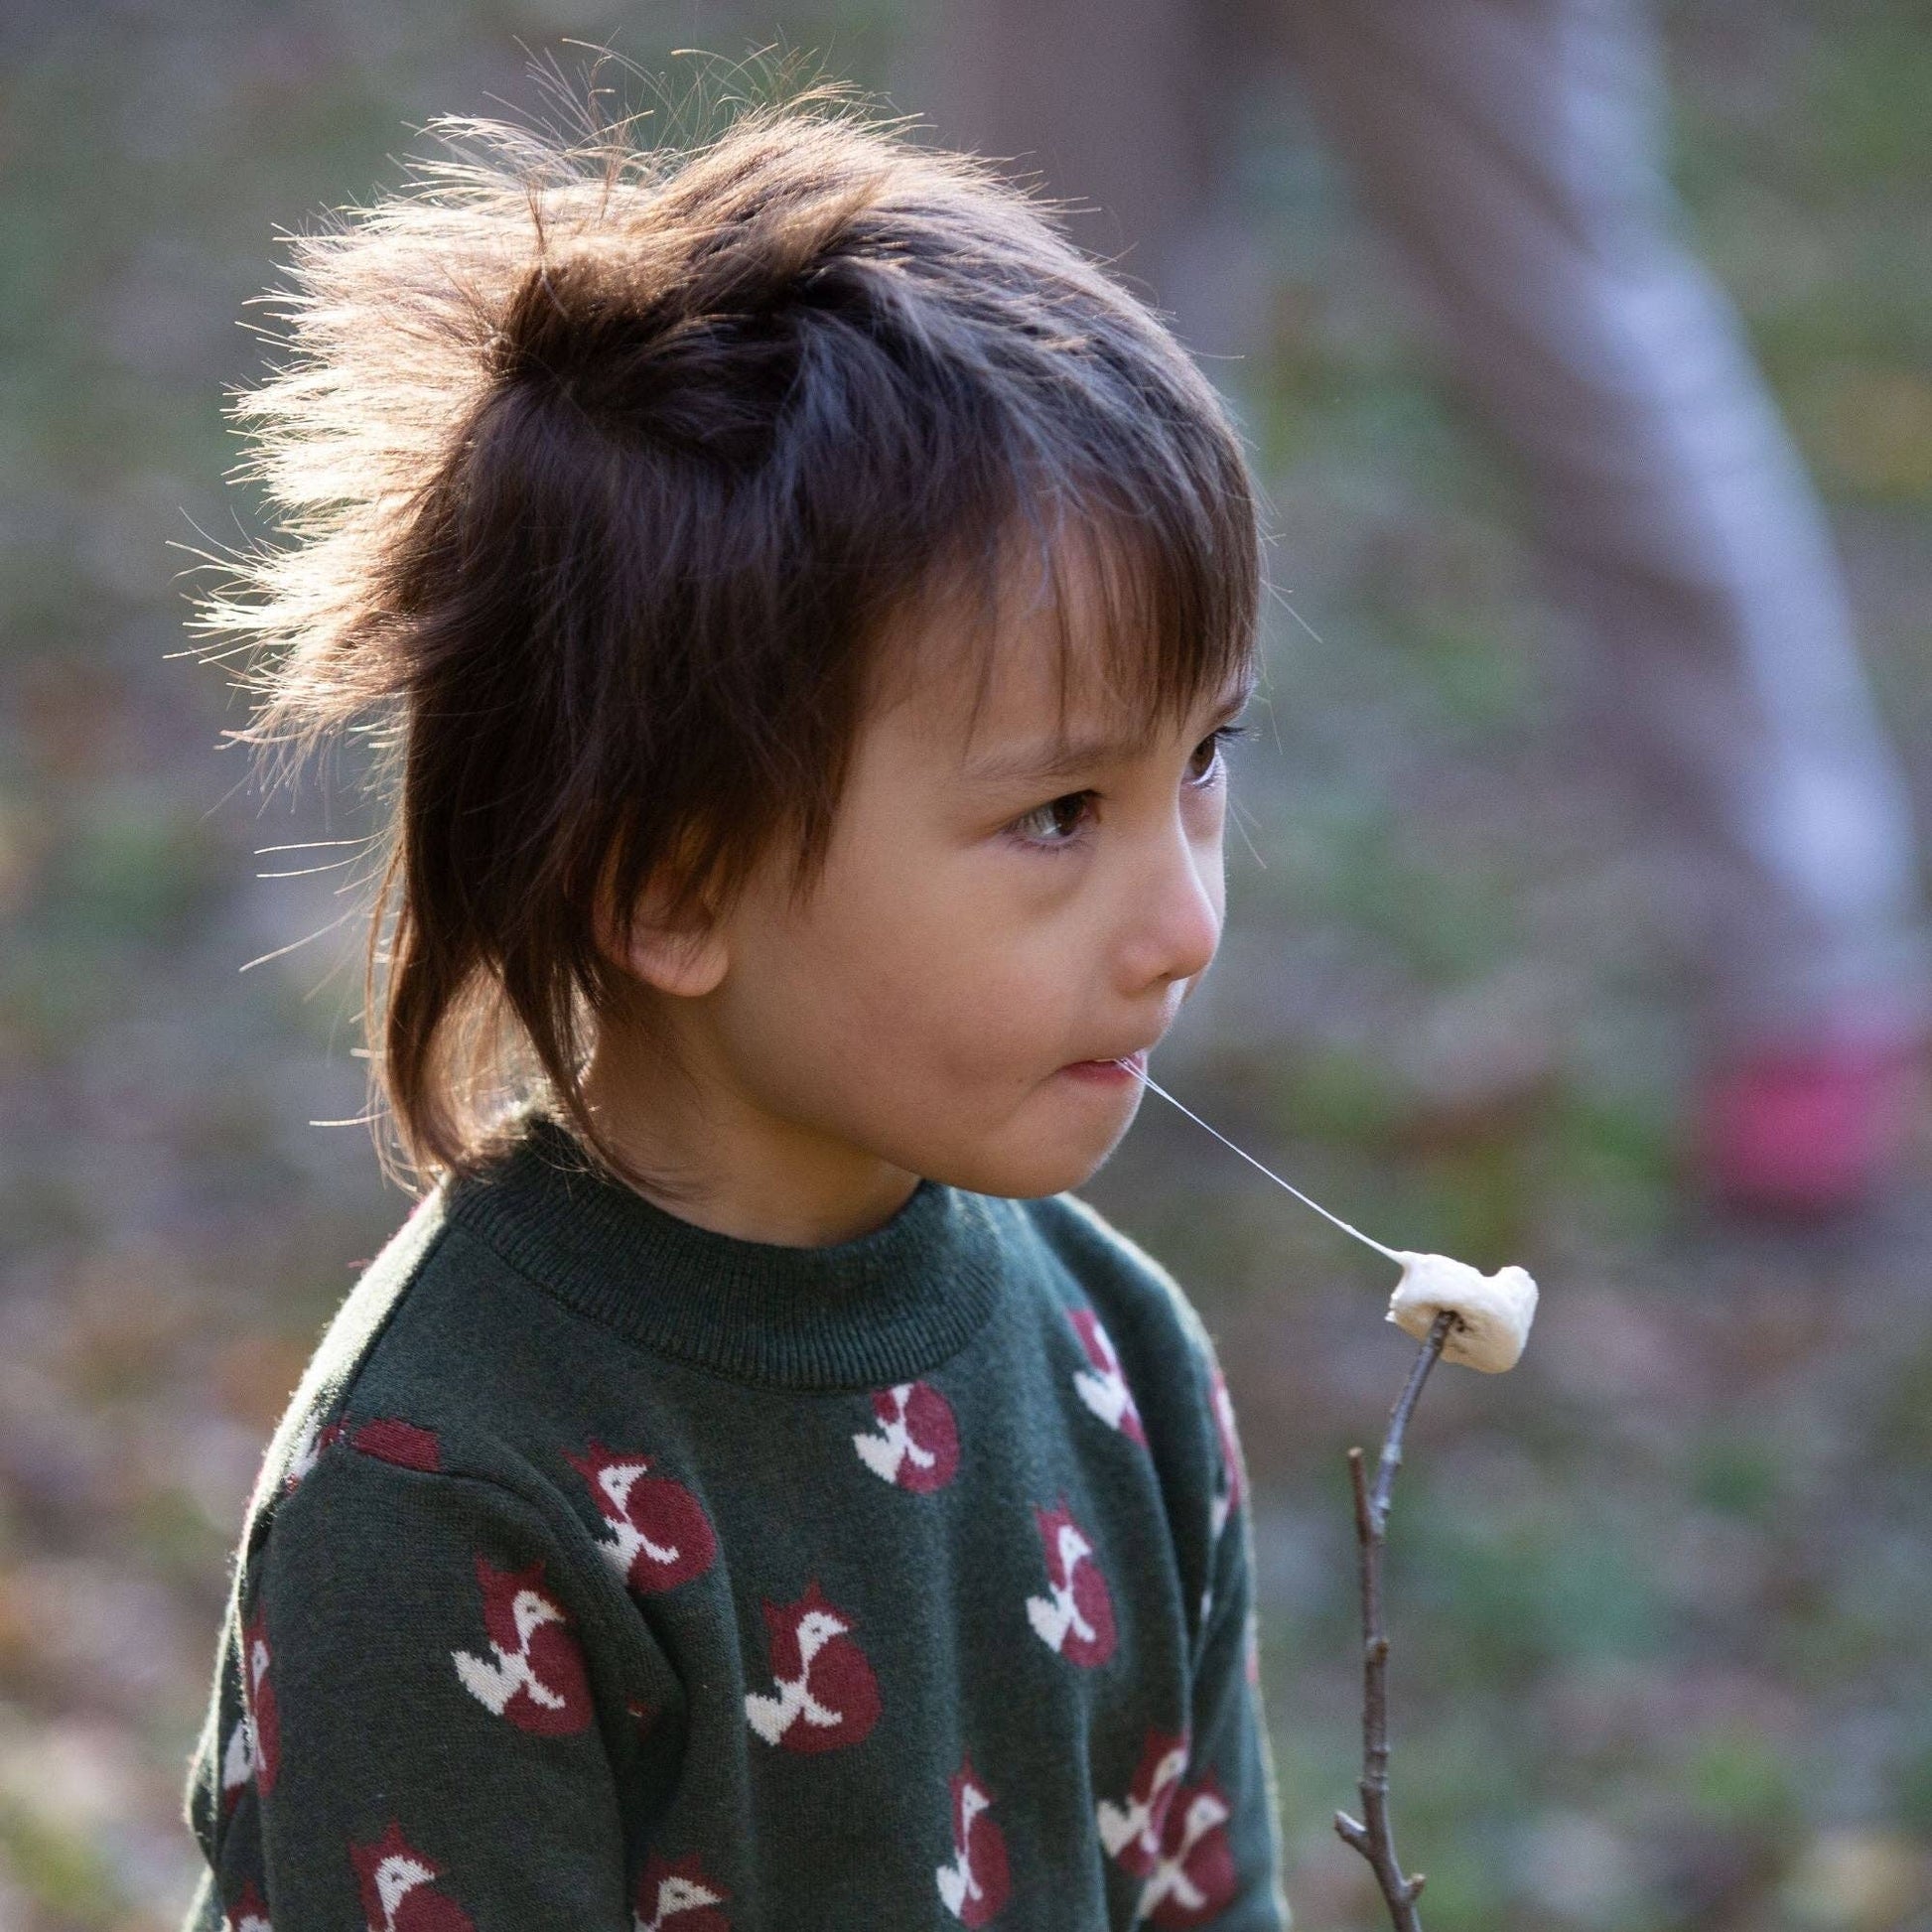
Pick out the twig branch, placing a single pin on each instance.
(1374, 1839)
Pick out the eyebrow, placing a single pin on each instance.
(1063, 757)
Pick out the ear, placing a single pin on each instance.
(686, 956)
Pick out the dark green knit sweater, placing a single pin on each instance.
(608, 1574)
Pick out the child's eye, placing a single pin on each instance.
(1057, 822)
(1211, 748)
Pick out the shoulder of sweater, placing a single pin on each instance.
(366, 1459)
(1164, 1354)
(1123, 1280)
(364, 1389)
(1145, 1307)
(381, 1508)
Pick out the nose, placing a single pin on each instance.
(1177, 912)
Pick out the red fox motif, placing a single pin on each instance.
(1103, 1388)
(657, 1535)
(827, 1695)
(975, 1884)
(537, 1676)
(1132, 1832)
(1077, 1619)
(255, 1743)
(309, 1445)
(396, 1881)
(917, 1443)
(1171, 1835)
(1195, 1878)
(248, 1913)
(405, 1443)
(674, 1896)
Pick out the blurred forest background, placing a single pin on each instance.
(1661, 1597)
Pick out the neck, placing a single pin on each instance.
(727, 1162)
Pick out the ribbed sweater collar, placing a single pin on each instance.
(857, 1315)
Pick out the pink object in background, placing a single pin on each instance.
(1807, 1131)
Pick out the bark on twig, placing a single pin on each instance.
(1374, 1839)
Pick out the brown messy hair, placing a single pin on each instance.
(606, 470)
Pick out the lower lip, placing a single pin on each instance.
(1107, 1074)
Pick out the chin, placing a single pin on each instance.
(1025, 1174)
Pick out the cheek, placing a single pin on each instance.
(928, 1027)
(947, 978)
(959, 979)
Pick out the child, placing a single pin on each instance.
(805, 603)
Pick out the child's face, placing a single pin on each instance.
(991, 926)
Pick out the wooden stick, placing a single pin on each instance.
(1375, 1840)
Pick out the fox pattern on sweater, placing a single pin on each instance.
(608, 1574)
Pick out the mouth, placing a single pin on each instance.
(1127, 1071)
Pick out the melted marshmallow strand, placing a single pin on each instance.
(1493, 1312)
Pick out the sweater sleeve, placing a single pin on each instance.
(1230, 1783)
(408, 1732)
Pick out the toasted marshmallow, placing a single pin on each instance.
(1495, 1310)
